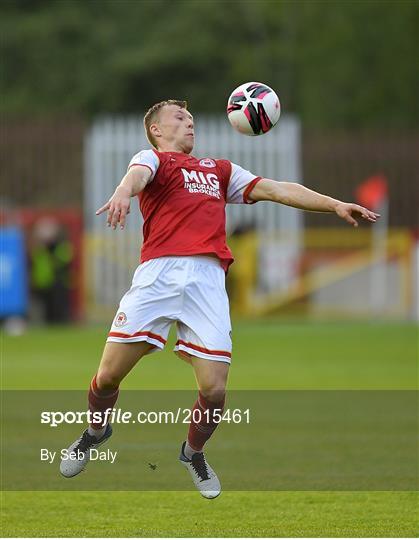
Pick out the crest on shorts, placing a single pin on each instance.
(120, 319)
(207, 162)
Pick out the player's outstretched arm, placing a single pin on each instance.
(118, 206)
(298, 196)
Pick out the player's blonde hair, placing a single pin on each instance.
(152, 114)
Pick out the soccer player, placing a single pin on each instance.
(181, 276)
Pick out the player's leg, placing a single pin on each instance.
(117, 361)
(211, 377)
(140, 326)
(204, 337)
(205, 341)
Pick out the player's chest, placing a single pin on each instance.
(192, 179)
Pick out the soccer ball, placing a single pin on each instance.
(253, 108)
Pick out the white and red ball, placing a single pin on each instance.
(253, 108)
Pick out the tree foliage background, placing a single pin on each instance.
(335, 63)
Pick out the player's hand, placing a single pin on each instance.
(118, 207)
(350, 211)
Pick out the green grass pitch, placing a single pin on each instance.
(268, 354)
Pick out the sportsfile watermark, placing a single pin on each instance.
(264, 440)
(119, 416)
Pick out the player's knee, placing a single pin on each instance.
(106, 379)
(214, 393)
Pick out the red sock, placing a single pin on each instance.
(201, 430)
(101, 400)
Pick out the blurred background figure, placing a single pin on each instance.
(51, 255)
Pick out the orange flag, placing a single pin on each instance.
(372, 192)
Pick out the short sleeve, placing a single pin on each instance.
(146, 158)
(240, 185)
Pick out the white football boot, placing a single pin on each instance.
(78, 454)
(203, 476)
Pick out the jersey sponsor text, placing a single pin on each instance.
(199, 182)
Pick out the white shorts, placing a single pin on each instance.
(187, 290)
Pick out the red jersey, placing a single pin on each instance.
(183, 205)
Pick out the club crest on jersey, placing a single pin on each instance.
(200, 182)
(207, 162)
(120, 319)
